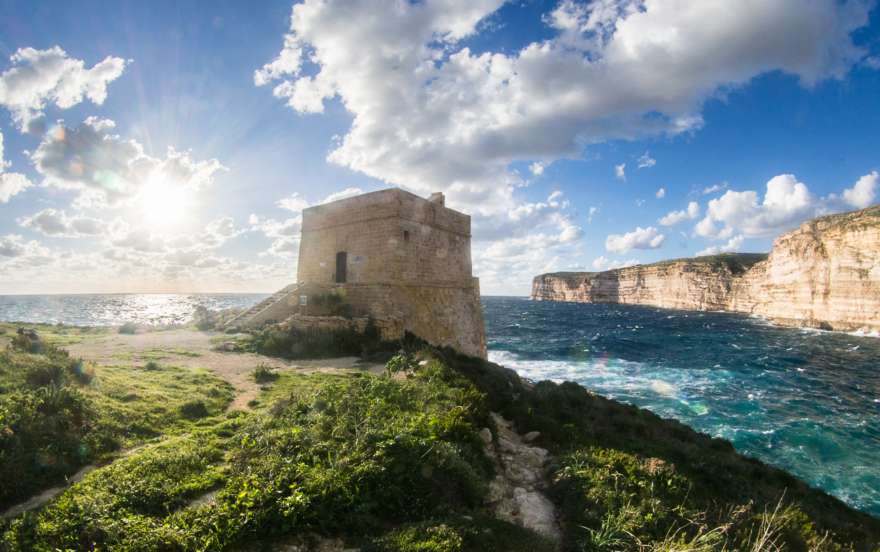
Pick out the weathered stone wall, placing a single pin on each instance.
(390, 236)
(825, 274)
(442, 315)
(328, 323)
(409, 266)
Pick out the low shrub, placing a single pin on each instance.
(264, 374)
(46, 433)
(331, 304)
(471, 533)
(80, 372)
(194, 410)
(27, 341)
(401, 362)
(152, 365)
(295, 343)
(41, 375)
(129, 328)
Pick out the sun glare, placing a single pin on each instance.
(164, 204)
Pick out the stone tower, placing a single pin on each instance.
(403, 260)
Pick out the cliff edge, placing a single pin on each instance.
(825, 274)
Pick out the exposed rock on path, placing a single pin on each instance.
(516, 494)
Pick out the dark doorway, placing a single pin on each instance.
(341, 266)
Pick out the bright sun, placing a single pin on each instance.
(164, 204)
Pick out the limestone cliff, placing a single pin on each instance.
(825, 274)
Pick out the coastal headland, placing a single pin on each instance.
(825, 274)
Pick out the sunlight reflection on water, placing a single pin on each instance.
(157, 309)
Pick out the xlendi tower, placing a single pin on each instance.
(395, 257)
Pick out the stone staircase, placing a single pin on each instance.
(259, 312)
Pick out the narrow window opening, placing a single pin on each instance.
(406, 235)
(341, 267)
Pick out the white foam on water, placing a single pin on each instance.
(865, 332)
(663, 388)
(668, 391)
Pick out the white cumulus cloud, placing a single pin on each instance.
(863, 192)
(715, 188)
(733, 244)
(431, 114)
(640, 238)
(786, 203)
(53, 222)
(106, 168)
(10, 183)
(41, 77)
(603, 263)
(592, 212)
(674, 217)
(646, 161)
(661, 193)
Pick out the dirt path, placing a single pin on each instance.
(191, 348)
(45, 496)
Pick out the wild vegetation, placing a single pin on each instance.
(47, 424)
(58, 414)
(390, 462)
(330, 304)
(297, 343)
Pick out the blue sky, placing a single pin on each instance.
(522, 112)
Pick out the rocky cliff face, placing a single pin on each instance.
(825, 274)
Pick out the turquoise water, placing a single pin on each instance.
(806, 401)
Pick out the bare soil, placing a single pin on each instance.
(191, 348)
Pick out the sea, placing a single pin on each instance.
(806, 401)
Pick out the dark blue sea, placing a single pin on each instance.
(806, 401)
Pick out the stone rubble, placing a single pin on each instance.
(516, 494)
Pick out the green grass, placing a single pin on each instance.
(348, 456)
(264, 374)
(477, 533)
(735, 263)
(48, 425)
(58, 414)
(143, 403)
(55, 334)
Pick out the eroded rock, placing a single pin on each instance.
(516, 494)
(825, 274)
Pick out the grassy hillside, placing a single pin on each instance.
(389, 462)
(58, 414)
